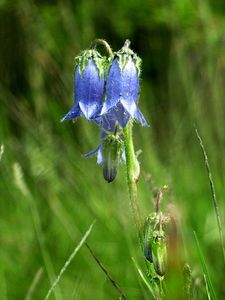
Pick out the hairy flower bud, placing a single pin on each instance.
(111, 154)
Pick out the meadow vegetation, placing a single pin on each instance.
(50, 194)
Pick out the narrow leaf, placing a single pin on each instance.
(73, 254)
(210, 289)
(145, 280)
(213, 192)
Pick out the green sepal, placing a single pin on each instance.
(107, 65)
(124, 54)
(82, 61)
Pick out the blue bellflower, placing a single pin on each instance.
(88, 86)
(122, 89)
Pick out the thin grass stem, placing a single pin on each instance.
(1, 151)
(113, 282)
(213, 191)
(34, 284)
(67, 263)
(65, 221)
(21, 184)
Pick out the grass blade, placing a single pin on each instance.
(108, 275)
(34, 284)
(1, 151)
(22, 186)
(213, 191)
(71, 257)
(3, 286)
(144, 279)
(210, 289)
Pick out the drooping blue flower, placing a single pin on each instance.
(122, 89)
(88, 86)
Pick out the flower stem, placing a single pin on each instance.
(133, 171)
(104, 43)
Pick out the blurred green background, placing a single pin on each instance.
(50, 194)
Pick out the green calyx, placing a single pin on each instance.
(83, 59)
(125, 54)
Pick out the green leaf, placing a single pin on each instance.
(144, 279)
(68, 261)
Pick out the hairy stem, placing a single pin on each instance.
(103, 43)
(108, 275)
(133, 170)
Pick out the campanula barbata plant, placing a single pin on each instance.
(106, 91)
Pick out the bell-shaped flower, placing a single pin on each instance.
(88, 86)
(122, 89)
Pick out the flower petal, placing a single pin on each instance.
(89, 89)
(130, 82)
(72, 114)
(121, 115)
(109, 122)
(113, 86)
(89, 110)
(97, 151)
(139, 116)
(116, 115)
(130, 107)
(91, 153)
(99, 155)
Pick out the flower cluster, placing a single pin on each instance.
(106, 92)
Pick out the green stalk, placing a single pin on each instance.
(133, 171)
(103, 43)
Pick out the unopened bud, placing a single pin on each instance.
(159, 253)
(155, 249)
(111, 154)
